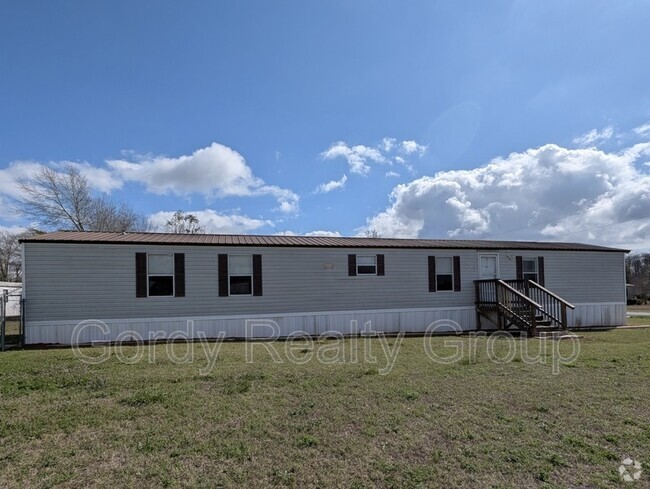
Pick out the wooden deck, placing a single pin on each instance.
(522, 304)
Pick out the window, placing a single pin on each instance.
(444, 273)
(240, 274)
(367, 265)
(530, 269)
(160, 274)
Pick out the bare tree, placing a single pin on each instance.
(182, 223)
(108, 215)
(64, 200)
(371, 233)
(57, 199)
(10, 255)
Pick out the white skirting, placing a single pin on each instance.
(597, 314)
(259, 326)
(282, 325)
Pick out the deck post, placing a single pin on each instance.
(564, 318)
(527, 288)
(497, 295)
(533, 321)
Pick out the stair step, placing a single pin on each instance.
(546, 328)
(557, 335)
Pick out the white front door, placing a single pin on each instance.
(488, 266)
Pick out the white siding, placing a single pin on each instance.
(68, 283)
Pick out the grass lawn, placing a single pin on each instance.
(638, 320)
(471, 424)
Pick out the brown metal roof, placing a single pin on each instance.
(300, 241)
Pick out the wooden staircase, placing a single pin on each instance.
(523, 304)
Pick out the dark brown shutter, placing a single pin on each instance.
(457, 274)
(380, 265)
(223, 275)
(352, 265)
(540, 270)
(257, 274)
(179, 274)
(432, 274)
(520, 267)
(141, 275)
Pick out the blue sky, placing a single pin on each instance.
(465, 119)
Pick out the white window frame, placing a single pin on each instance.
(173, 275)
(366, 256)
(535, 260)
(230, 294)
(451, 258)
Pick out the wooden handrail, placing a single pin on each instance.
(519, 294)
(526, 308)
(556, 297)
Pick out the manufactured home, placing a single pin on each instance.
(151, 284)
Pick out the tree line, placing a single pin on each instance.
(637, 274)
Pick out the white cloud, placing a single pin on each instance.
(387, 144)
(323, 188)
(215, 171)
(643, 130)
(98, 178)
(594, 137)
(215, 222)
(357, 156)
(409, 147)
(361, 157)
(547, 193)
(333, 234)
(287, 206)
(12, 229)
(330, 234)
(391, 174)
(14, 172)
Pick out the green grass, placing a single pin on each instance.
(638, 321)
(470, 424)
